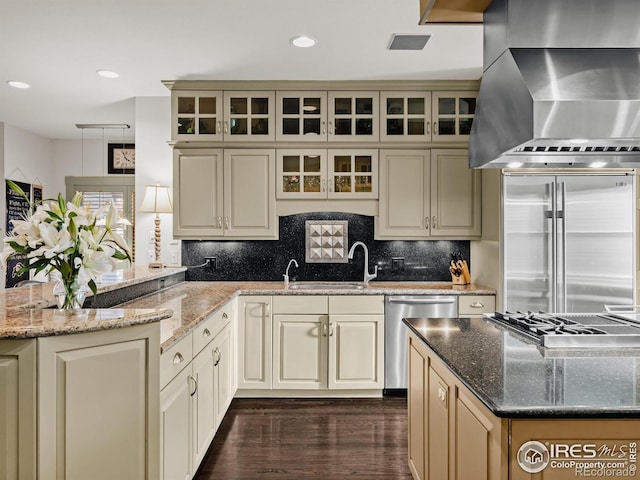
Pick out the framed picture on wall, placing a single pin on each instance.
(121, 158)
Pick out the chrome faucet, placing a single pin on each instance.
(286, 273)
(367, 276)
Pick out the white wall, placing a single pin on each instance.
(154, 165)
(27, 158)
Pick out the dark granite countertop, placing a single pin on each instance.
(514, 377)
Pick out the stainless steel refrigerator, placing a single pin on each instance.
(568, 242)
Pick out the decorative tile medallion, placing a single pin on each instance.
(326, 241)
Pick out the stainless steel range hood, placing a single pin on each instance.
(561, 85)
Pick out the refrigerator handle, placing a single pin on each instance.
(554, 247)
(562, 220)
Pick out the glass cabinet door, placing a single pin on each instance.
(301, 174)
(301, 116)
(353, 173)
(197, 115)
(249, 116)
(405, 116)
(452, 115)
(353, 116)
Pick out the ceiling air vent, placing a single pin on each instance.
(408, 42)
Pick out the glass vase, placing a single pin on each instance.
(69, 296)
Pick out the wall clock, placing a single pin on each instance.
(121, 158)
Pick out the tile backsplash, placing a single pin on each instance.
(266, 260)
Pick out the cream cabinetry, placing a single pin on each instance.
(301, 116)
(197, 115)
(196, 392)
(405, 116)
(254, 342)
(98, 404)
(452, 115)
(426, 116)
(428, 193)
(473, 306)
(333, 174)
(228, 193)
(214, 115)
(18, 402)
(353, 116)
(451, 434)
(334, 343)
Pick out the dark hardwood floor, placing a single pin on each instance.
(300, 439)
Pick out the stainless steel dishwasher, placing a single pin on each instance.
(397, 307)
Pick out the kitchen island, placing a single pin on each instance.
(80, 388)
(488, 403)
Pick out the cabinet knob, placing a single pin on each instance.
(477, 305)
(224, 315)
(177, 359)
(206, 333)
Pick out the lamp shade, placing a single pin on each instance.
(157, 199)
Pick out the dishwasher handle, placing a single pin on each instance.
(422, 301)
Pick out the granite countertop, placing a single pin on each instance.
(193, 302)
(26, 311)
(514, 377)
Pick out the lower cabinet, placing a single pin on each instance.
(194, 401)
(451, 434)
(254, 342)
(18, 409)
(98, 403)
(334, 343)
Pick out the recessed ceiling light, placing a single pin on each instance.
(17, 84)
(303, 41)
(107, 73)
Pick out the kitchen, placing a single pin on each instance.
(484, 253)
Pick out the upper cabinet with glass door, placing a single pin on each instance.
(353, 117)
(301, 116)
(197, 115)
(249, 116)
(405, 116)
(452, 115)
(353, 173)
(301, 173)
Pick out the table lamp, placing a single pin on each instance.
(157, 199)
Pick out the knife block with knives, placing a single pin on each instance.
(459, 271)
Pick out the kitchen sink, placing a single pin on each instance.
(326, 286)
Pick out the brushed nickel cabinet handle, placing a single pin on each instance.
(267, 309)
(226, 127)
(177, 359)
(433, 222)
(195, 385)
(435, 128)
(224, 315)
(324, 127)
(331, 329)
(324, 329)
(206, 333)
(226, 222)
(219, 222)
(219, 127)
(477, 305)
(330, 128)
(426, 223)
(428, 128)
(219, 356)
(324, 185)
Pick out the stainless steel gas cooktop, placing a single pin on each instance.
(565, 330)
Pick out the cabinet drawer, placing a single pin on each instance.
(304, 304)
(208, 329)
(175, 359)
(356, 304)
(476, 304)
